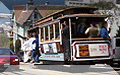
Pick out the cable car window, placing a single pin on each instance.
(51, 32)
(46, 33)
(42, 34)
(57, 31)
(117, 42)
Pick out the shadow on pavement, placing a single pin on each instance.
(116, 67)
(10, 68)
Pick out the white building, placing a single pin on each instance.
(22, 18)
(83, 2)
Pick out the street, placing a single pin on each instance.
(116, 68)
(31, 69)
(63, 32)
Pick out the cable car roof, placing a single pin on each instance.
(69, 8)
(84, 15)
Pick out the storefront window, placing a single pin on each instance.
(57, 31)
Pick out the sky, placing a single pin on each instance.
(11, 3)
(5, 10)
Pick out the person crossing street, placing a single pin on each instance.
(25, 48)
(31, 39)
(35, 53)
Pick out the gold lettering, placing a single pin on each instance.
(83, 53)
(83, 47)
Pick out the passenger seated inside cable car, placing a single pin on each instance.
(92, 31)
(80, 25)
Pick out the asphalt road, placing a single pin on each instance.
(116, 68)
(31, 69)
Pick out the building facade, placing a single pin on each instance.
(23, 16)
(83, 2)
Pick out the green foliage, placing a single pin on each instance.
(103, 5)
(4, 40)
(17, 45)
(11, 45)
(96, 12)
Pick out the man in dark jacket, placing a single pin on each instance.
(36, 53)
(81, 27)
(66, 41)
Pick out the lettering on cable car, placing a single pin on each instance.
(83, 50)
(102, 47)
(93, 49)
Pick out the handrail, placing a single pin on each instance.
(87, 39)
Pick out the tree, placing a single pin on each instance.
(103, 5)
(17, 45)
(109, 8)
(4, 40)
(11, 45)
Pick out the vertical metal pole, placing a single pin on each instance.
(49, 32)
(54, 31)
(44, 33)
(60, 33)
(70, 36)
(39, 35)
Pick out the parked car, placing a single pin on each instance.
(7, 58)
(116, 50)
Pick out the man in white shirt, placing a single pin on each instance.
(31, 47)
(25, 48)
(28, 48)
